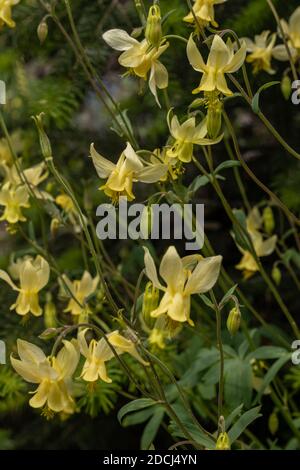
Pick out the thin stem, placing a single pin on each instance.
(220, 345)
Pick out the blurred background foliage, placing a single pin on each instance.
(47, 78)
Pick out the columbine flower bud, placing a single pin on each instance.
(223, 442)
(268, 218)
(153, 32)
(42, 31)
(150, 302)
(214, 115)
(276, 275)
(286, 87)
(234, 321)
(50, 314)
(146, 223)
(273, 423)
(54, 226)
(44, 140)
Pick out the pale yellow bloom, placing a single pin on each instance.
(129, 169)
(66, 203)
(261, 50)
(81, 290)
(187, 135)
(173, 165)
(13, 199)
(262, 247)
(204, 12)
(140, 57)
(31, 178)
(183, 277)
(33, 276)
(221, 60)
(97, 353)
(5, 12)
(292, 32)
(53, 374)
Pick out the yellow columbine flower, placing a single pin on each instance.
(140, 57)
(32, 176)
(187, 135)
(261, 50)
(97, 353)
(5, 12)
(52, 374)
(129, 169)
(292, 32)
(81, 290)
(204, 12)
(262, 247)
(33, 276)
(221, 60)
(13, 199)
(183, 277)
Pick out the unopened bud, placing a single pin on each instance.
(286, 87)
(276, 275)
(214, 121)
(268, 218)
(44, 140)
(223, 442)
(146, 222)
(50, 315)
(42, 31)
(273, 423)
(234, 321)
(153, 32)
(150, 302)
(54, 226)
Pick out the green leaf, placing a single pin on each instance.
(152, 428)
(237, 382)
(197, 434)
(243, 422)
(198, 183)
(267, 352)
(255, 101)
(207, 301)
(228, 295)
(231, 417)
(137, 418)
(227, 164)
(271, 374)
(135, 405)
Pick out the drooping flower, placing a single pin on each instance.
(5, 12)
(261, 50)
(262, 247)
(140, 58)
(31, 178)
(97, 353)
(291, 30)
(183, 277)
(129, 169)
(204, 12)
(13, 199)
(33, 277)
(187, 135)
(221, 60)
(81, 290)
(53, 374)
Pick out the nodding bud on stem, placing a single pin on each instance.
(42, 31)
(150, 302)
(44, 141)
(286, 87)
(153, 32)
(223, 442)
(276, 275)
(50, 313)
(234, 320)
(273, 423)
(214, 114)
(268, 218)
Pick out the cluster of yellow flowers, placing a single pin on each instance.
(54, 374)
(183, 277)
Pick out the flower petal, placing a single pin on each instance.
(119, 39)
(103, 166)
(204, 276)
(194, 56)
